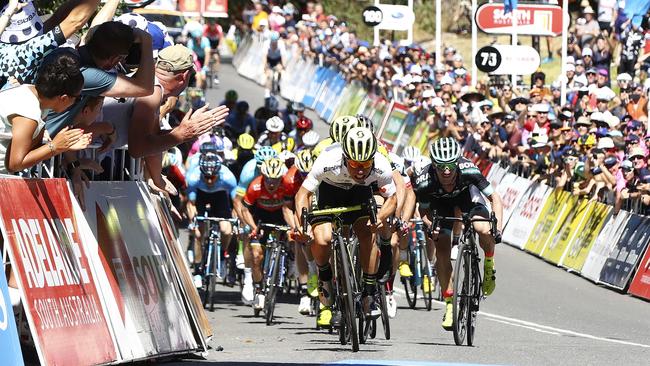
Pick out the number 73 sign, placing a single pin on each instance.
(506, 60)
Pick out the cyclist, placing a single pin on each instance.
(200, 45)
(444, 186)
(210, 187)
(303, 125)
(243, 153)
(273, 62)
(343, 176)
(214, 33)
(273, 133)
(250, 170)
(266, 201)
(309, 141)
(290, 115)
(304, 261)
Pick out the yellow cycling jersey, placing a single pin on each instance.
(321, 146)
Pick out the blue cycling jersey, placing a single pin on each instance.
(248, 173)
(226, 181)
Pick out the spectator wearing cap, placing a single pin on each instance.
(587, 28)
(26, 40)
(566, 176)
(623, 81)
(513, 136)
(108, 46)
(626, 186)
(602, 78)
(591, 76)
(588, 57)
(638, 156)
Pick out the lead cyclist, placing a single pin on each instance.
(444, 186)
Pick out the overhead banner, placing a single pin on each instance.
(58, 289)
(605, 243)
(640, 285)
(10, 352)
(215, 8)
(622, 261)
(576, 254)
(550, 219)
(136, 257)
(532, 19)
(525, 215)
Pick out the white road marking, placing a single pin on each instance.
(542, 328)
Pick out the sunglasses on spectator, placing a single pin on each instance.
(637, 157)
(360, 164)
(633, 142)
(570, 159)
(448, 166)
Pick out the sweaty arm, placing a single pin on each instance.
(71, 17)
(142, 82)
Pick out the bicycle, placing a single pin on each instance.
(347, 290)
(211, 262)
(274, 269)
(468, 284)
(233, 274)
(211, 76)
(424, 275)
(366, 327)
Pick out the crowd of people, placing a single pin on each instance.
(594, 144)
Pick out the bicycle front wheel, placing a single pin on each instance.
(272, 290)
(429, 282)
(410, 286)
(346, 295)
(461, 294)
(385, 319)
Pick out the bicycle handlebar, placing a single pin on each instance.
(370, 207)
(216, 219)
(275, 227)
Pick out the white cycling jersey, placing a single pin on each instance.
(330, 168)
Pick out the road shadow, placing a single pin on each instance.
(242, 363)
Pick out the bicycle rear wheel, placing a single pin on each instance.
(272, 290)
(461, 294)
(473, 302)
(385, 319)
(346, 296)
(425, 270)
(212, 274)
(410, 287)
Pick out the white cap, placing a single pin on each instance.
(611, 120)
(458, 57)
(605, 93)
(570, 67)
(276, 9)
(429, 93)
(587, 52)
(540, 107)
(570, 60)
(597, 116)
(624, 77)
(446, 80)
(416, 69)
(541, 140)
(437, 102)
(605, 143)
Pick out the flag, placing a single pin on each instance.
(509, 6)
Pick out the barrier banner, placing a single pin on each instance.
(420, 138)
(496, 175)
(558, 241)
(309, 99)
(550, 220)
(525, 215)
(324, 91)
(622, 261)
(394, 126)
(511, 188)
(578, 249)
(135, 256)
(640, 285)
(58, 289)
(10, 353)
(181, 269)
(605, 243)
(337, 92)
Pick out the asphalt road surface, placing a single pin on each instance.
(538, 315)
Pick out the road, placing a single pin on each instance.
(538, 315)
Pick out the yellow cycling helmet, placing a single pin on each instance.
(304, 161)
(341, 125)
(287, 145)
(273, 168)
(245, 141)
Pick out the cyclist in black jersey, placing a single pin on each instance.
(444, 186)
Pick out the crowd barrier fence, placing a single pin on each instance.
(103, 285)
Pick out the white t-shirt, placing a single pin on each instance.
(18, 101)
(330, 168)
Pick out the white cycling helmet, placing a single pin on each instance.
(445, 150)
(341, 125)
(274, 124)
(310, 138)
(411, 154)
(359, 144)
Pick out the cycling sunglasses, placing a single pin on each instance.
(443, 166)
(360, 164)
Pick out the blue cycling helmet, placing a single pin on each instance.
(210, 164)
(264, 153)
(271, 103)
(275, 36)
(208, 147)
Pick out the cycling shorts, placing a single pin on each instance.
(219, 204)
(214, 44)
(267, 217)
(446, 206)
(330, 196)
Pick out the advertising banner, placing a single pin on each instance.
(336, 97)
(182, 270)
(525, 215)
(10, 353)
(324, 92)
(605, 243)
(421, 137)
(640, 285)
(622, 261)
(392, 129)
(59, 291)
(135, 256)
(568, 229)
(550, 219)
(309, 99)
(578, 249)
(532, 19)
(215, 8)
(511, 189)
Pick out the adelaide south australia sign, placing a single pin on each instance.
(532, 19)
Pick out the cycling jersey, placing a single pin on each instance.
(428, 187)
(225, 182)
(330, 168)
(198, 47)
(258, 196)
(293, 180)
(274, 57)
(248, 173)
(397, 163)
(322, 146)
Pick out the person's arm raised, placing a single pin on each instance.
(142, 82)
(72, 16)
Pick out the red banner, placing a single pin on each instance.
(641, 283)
(59, 292)
(532, 19)
(215, 8)
(189, 6)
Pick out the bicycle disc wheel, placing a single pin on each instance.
(425, 270)
(385, 319)
(272, 291)
(461, 292)
(348, 308)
